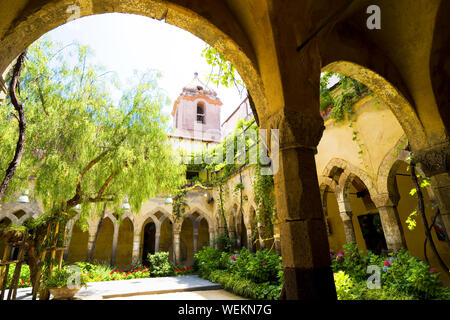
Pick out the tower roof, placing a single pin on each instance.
(197, 89)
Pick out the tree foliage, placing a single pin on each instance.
(223, 72)
(82, 148)
(342, 98)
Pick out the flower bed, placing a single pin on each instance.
(24, 278)
(160, 267)
(259, 275)
(252, 275)
(402, 276)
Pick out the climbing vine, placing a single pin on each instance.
(263, 190)
(223, 71)
(339, 99)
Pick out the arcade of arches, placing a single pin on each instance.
(405, 63)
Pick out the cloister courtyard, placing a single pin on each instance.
(323, 176)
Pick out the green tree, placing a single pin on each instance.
(82, 149)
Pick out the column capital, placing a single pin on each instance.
(297, 129)
(434, 160)
(384, 200)
(346, 215)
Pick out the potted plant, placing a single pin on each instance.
(64, 283)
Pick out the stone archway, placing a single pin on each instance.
(242, 230)
(104, 245)
(148, 235)
(166, 237)
(211, 21)
(365, 216)
(332, 216)
(203, 233)
(252, 231)
(124, 249)
(389, 94)
(78, 245)
(187, 241)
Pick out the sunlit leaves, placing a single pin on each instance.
(411, 220)
(73, 122)
(223, 71)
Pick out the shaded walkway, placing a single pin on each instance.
(143, 288)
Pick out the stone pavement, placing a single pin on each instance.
(134, 288)
(187, 295)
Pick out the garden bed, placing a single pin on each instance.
(95, 272)
(259, 275)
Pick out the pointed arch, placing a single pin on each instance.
(389, 94)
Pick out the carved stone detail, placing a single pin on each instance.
(385, 200)
(434, 160)
(296, 129)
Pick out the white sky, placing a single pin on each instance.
(124, 43)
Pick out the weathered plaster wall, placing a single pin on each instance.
(125, 244)
(78, 245)
(378, 132)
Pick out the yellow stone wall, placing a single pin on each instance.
(124, 244)
(371, 158)
(103, 247)
(78, 245)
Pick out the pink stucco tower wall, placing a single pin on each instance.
(196, 113)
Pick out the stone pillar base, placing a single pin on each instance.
(308, 284)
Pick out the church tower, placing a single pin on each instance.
(196, 113)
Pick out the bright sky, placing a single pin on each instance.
(124, 43)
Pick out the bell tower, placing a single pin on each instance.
(196, 113)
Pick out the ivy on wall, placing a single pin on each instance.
(263, 190)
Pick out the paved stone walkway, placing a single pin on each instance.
(188, 295)
(176, 288)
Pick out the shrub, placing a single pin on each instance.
(264, 266)
(24, 277)
(359, 291)
(352, 261)
(239, 265)
(245, 287)
(251, 275)
(208, 260)
(344, 286)
(403, 277)
(160, 265)
(62, 277)
(182, 271)
(223, 242)
(412, 276)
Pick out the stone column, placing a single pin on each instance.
(303, 235)
(114, 245)
(390, 221)
(238, 240)
(232, 235)
(135, 257)
(346, 214)
(176, 247)
(260, 235)
(435, 163)
(90, 245)
(157, 240)
(211, 238)
(277, 244)
(250, 241)
(195, 239)
(68, 239)
(292, 85)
